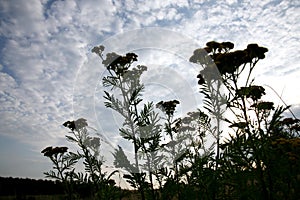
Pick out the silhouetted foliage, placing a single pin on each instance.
(253, 154)
(94, 183)
(246, 166)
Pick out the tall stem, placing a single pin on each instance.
(127, 104)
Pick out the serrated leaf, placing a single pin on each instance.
(71, 139)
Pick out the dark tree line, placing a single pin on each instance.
(21, 188)
(24, 186)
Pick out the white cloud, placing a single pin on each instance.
(22, 18)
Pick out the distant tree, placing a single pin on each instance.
(25, 187)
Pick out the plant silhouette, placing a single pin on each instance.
(99, 183)
(254, 153)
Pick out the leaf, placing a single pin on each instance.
(122, 161)
(71, 139)
(125, 134)
(107, 95)
(111, 174)
(228, 121)
(240, 125)
(130, 179)
(208, 109)
(51, 174)
(135, 94)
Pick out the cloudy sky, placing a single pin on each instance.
(48, 74)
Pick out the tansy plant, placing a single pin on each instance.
(250, 154)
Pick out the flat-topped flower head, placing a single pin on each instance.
(255, 51)
(254, 92)
(76, 125)
(119, 64)
(50, 151)
(168, 106)
(98, 50)
(263, 106)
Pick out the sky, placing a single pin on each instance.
(48, 74)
